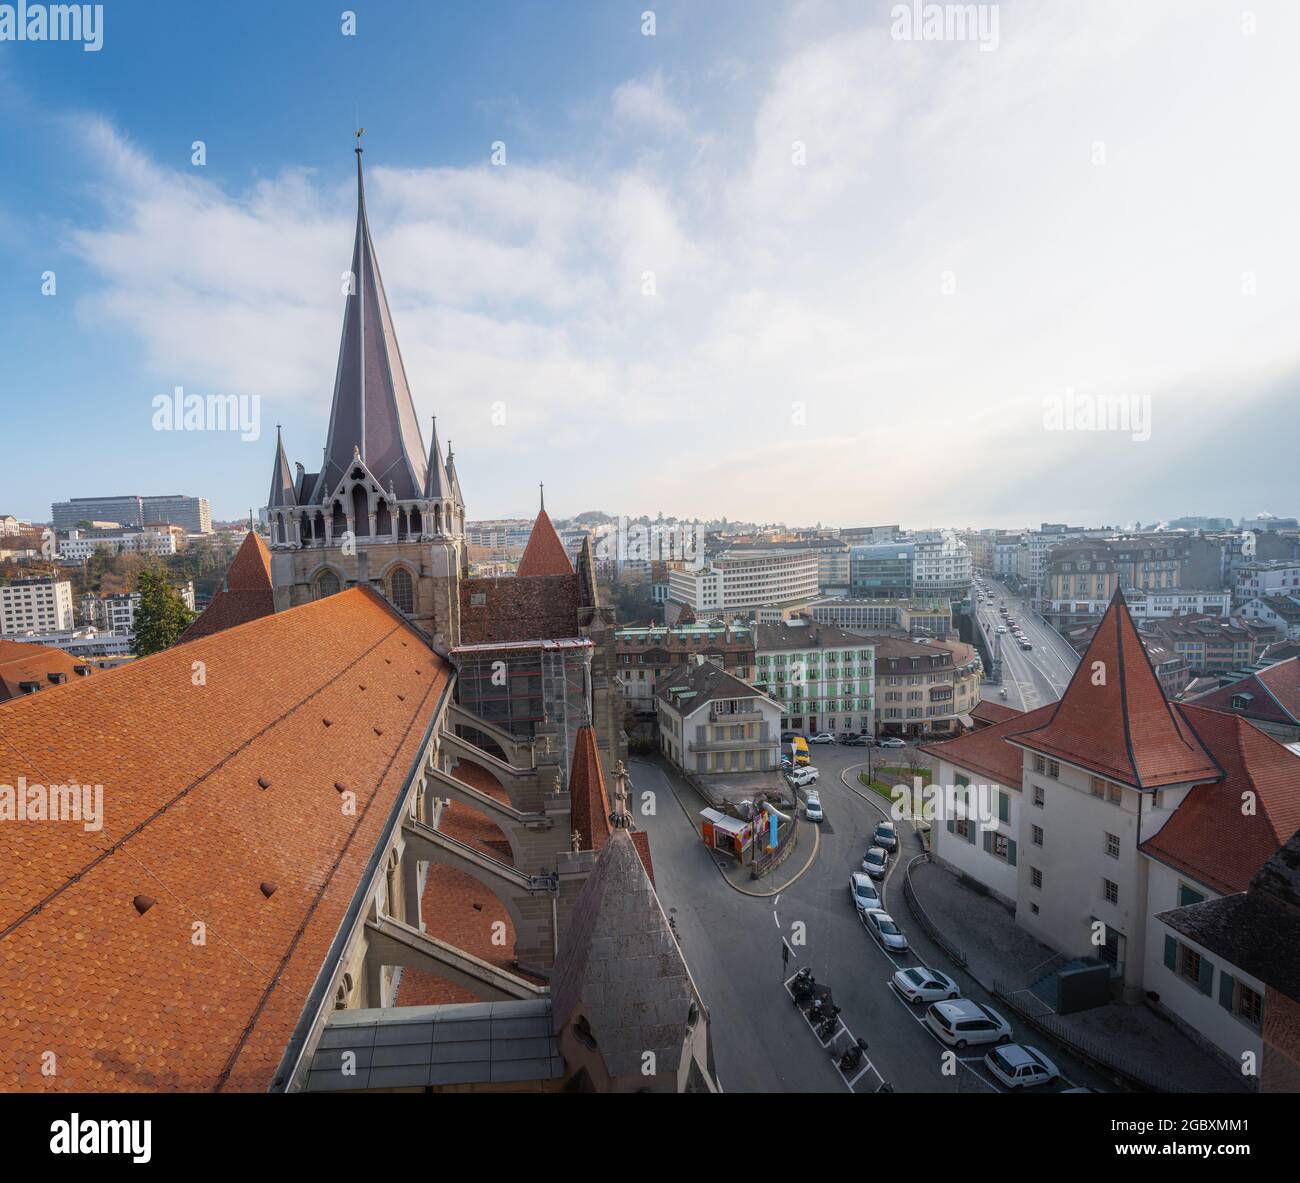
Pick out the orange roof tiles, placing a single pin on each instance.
(986, 712)
(245, 594)
(1114, 719)
(216, 778)
(1209, 836)
(545, 553)
(588, 799)
(20, 662)
(986, 751)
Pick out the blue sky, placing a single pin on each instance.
(949, 256)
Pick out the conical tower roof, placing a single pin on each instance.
(372, 409)
(282, 485)
(437, 484)
(545, 553)
(1114, 719)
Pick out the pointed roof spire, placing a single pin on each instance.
(545, 553)
(282, 490)
(589, 808)
(451, 475)
(1114, 719)
(436, 482)
(373, 415)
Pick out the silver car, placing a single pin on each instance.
(918, 984)
(875, 861)
(863, 892)
(1019, 1066)
(962, 1022)
(881, 925)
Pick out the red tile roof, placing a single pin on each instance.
(1209, 836)
(1272, 695)
(1282, 681)
(21, 663)
(985, 750)
(588, 799)
(986, 711)
(245, 593)
(545, 553)
(209, 791)
(1114, 719)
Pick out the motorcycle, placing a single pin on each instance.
(1004, 692)
(852, 1056)
(830, 1024)
(803, 987)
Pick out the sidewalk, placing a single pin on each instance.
(998, 949)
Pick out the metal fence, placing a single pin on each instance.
(922, 917)
(1084, 1048)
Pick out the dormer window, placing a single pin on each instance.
(1240, 702)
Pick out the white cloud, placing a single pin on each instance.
(777, 283)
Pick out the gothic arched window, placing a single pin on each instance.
(326, 585)
(401, 594)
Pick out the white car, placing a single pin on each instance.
(807, 775)
(875, 861)
(812, 806)
(961, 1022)
(891, 741)
(863, 892)
(881, 926)
(822, 737)
(919, 984)
(1002, 628)
(1019, 1066)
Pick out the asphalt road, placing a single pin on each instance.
(732, 944)
(1032, 677)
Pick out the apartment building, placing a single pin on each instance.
(645, 655)
(743, 581)
(712, 723)
(35, 606)
(193, 514)
(80, 545)
(1213, 644)
(941, 565)
(822, 676)
(1275, 577)
(1100, 816)
(925, 689)
(1143, 605)
(1278, 612)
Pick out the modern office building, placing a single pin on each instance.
(744, 581)
(193, 513)
(926, 617)
(35, 606)
(880, 571)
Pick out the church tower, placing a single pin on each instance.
(381, 510)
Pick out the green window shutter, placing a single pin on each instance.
(1226, 989)
(1171, 954)
(952, 825)
(1011, 851)
(988, 841)
(970, 831)
(1004, 807)
(1207, 975)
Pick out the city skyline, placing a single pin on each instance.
(734, 158)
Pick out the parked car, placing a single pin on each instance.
(881, 926)
(858, 741)
(1019, 1066)
(822, 737)
(863, 892)
(886, 836)
(919, 984)
(1025, 645)
(800, 745)
(801, 777)
(875, 861)
(891, 741)
(812, 806)
(1002, 628)
(961, 1022)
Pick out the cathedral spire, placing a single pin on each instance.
(451, 476)
(373, 414)
(437, 483)
(282, 494)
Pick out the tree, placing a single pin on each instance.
(161, 616)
